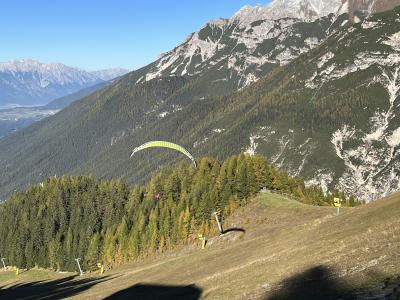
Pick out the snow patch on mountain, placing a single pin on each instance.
(253, 35)
(283, 144)
(253, 144)
(369, 24)
(312, 42)
(218, 130)
(322, 178)
(361, 61)
(393, 41)
(339, 136)
(394, 139)
(163, 114)
(198, 143)
(264, 133)
(305, 150)
(286, 56)
(324, 59)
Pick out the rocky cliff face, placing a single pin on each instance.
(371, 6)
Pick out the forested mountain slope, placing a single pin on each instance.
(16, 118)
(52, 223)
(329, 115)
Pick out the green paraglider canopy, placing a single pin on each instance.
(164, 144)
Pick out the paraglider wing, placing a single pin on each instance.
(164, 144)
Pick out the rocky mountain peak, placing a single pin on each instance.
(369, 6)
(306, 10)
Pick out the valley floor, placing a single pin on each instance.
(277, 249)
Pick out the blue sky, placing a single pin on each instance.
(96, 34)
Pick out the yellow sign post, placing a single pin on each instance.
(101, 268)
(203, 241)
(337, 204)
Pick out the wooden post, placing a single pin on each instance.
(218, 223)
(4, 264)
(79, 266)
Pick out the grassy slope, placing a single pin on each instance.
(286, 243)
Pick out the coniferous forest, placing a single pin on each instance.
(52, 223)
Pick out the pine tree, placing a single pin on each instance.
(152, 229)
(241, 186)
(93, 255)
(122, 235)
(55, 253)
(109, 248)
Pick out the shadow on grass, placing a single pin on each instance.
(320, 283)
(49, 290)
(159, 292)
(315, 283)
(234, 229)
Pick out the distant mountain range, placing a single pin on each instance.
(29, 82)
(311, 84)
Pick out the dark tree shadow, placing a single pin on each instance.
(316, 283)
(159, 292)
(49, 290)
(234, 229)
(319, 283)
